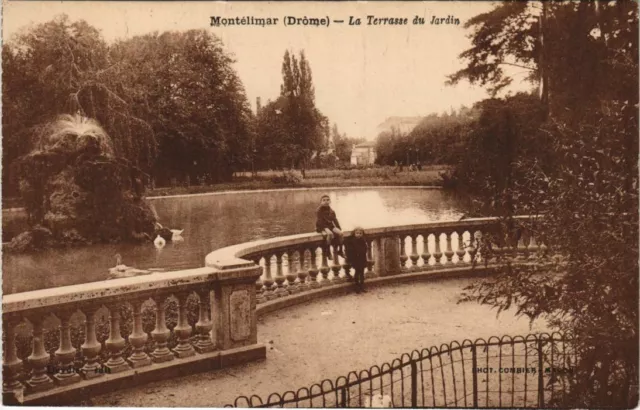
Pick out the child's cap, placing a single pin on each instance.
(324, 196)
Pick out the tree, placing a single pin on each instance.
(390, 147)
(299, 128)
(575, 169)
(583, 50)
(63, 67)
(437, 139)
(184, 85)
(342, 144)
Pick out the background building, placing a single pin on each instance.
(363, 154)
(403, 124)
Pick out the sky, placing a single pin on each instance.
(362, 74)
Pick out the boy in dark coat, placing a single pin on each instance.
(356, 247)
(327, 224)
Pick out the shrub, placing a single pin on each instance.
(287, 178)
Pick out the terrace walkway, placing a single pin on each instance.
(329, 337)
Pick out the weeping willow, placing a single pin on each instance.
(63, 67)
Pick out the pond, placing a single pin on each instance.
(214, 221)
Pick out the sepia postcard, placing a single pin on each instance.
(320, 204)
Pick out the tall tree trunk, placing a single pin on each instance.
(544, 72)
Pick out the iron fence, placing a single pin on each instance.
(520, 371)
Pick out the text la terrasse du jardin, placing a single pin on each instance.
(369, 20)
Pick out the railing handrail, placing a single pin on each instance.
(219, 265)
(113, 288)
(248, 249)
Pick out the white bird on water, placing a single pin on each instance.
(159, 242)
(120, 267)
(123, 271)
(176, 235)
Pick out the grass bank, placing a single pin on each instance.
(315, 178)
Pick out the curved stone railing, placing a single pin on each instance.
(297, 263)
(236, 284)
(225, 332)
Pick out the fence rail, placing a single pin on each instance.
(520, 371)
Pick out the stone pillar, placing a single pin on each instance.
(415, 257)
(461, 249)
(302, 270)
(260, 290)
(269, 292)
(161, 334)
(115, 344)
(138, 338)
(387, 256)
(91, 347)
(39, 358)
(183, 329)
(204, 325)
(235, 304)
(313, 269)
(280, 279)
(66, 352)
(12, 366)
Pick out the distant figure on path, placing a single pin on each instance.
(356, 247)
(327, 224)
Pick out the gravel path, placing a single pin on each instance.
(329, 338)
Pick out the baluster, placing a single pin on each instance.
(533, 246)
(426, 255)
(370, 261)
(473, 246)
(115, 343)
(522, 246)
(138, 338)
(437, 254)
(498, 247)
(66, 352)
(280, 279)
(512, 244)
(403, 252)
(260, 297)
(415, 257)
(183, 329)
(313, 271)
(204, 325)
(38, 359)
(11, 364)
(347, 270)
(336, 267)
(324, 269)
(302, 270)
(292, 274)
(461, 250)
(161, 333)
(91, 347)
(268, 281)
(478, 238)
(543, 247)
(449, 252)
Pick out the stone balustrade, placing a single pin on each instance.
(235, 282)
(297, 263)
(224, 334)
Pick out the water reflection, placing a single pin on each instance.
(212, 222)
